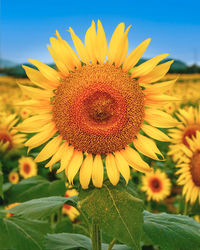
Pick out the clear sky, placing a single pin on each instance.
(26, 25)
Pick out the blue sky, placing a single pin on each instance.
(26, 26)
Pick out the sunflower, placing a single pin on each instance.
(13, 177)
(10, 139)
(70, 211)
(156, 185)
(9, 207)
(189, 171)
(190, 124)
(91, 109)
(27, 167)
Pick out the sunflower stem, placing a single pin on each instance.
(112, 243)
(96, 237)
(185, 208)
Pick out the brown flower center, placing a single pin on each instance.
(6, 138)
(26, 168)
(190, 132)
(98, 109)
(195, 168)
(155, 184)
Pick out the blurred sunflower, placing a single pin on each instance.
(9, 207)
(27, 167)
(156, 185)
(190, 124)
(70, 211)
(10, 139)
(189, 171)
(93, 109)
(13, 177)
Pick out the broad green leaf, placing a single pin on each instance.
(43, 207)
(64, 226)
(1, 181)
(18, 234)
(64, 241)
(171, 231)
(116, 211)
(35, 187)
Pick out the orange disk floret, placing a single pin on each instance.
(195, 168)
(98, 109)
(190, 131)
(155, 184)
(6, 138)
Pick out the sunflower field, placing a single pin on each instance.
(100, 152)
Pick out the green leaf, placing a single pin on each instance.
(64, 241)
(18, 234)
(43, 207)
(35, 187)
(64, 226)
(171, 231)
(116, 211)
(1, 181)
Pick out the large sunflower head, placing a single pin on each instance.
(156, 185)
(93, 106)
(10, 139)
(189, 169)
(190, 124)
(27, 167)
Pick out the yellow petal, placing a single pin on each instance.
(159, 88)
(147, 147)
(41, 137)
(101, 51)
(73, 55)
(66, 158)
(74, 165)
(122, 165)
(160, 99)
(112, 170)
(34, 123)
(159, 119)
(157, 73)
(97, 172)
(134, 160)
(86, 171)
(148, 66)
(115, 42)
(49, 149)
(38, 79)
(50, 73)
(58, 155)
(91, 42)
(122, 49)
(155, 133)
(36, 93)
(135, 55)
(80, 48)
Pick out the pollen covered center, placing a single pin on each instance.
(26, 168)
(155, 185)
(190, 132)
(5, 138)
(98, 109)
(195, 168)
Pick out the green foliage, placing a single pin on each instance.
(116, 211)
(18, 234)
(1, 181)
(171, 231)
(43, 207)
(35, 187)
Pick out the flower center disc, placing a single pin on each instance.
(190, 132)
(155, 185)
(5, 137)
(27, 168)
(98, 109)
(195, 168)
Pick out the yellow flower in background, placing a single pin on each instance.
(189, 171)
(70, 211)
(189, 118)
(156, 185)
(90, 108)
(9, 137)
(25, 113)
(27, 167)
(9, 207)
(197, 218)
(13, 177)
